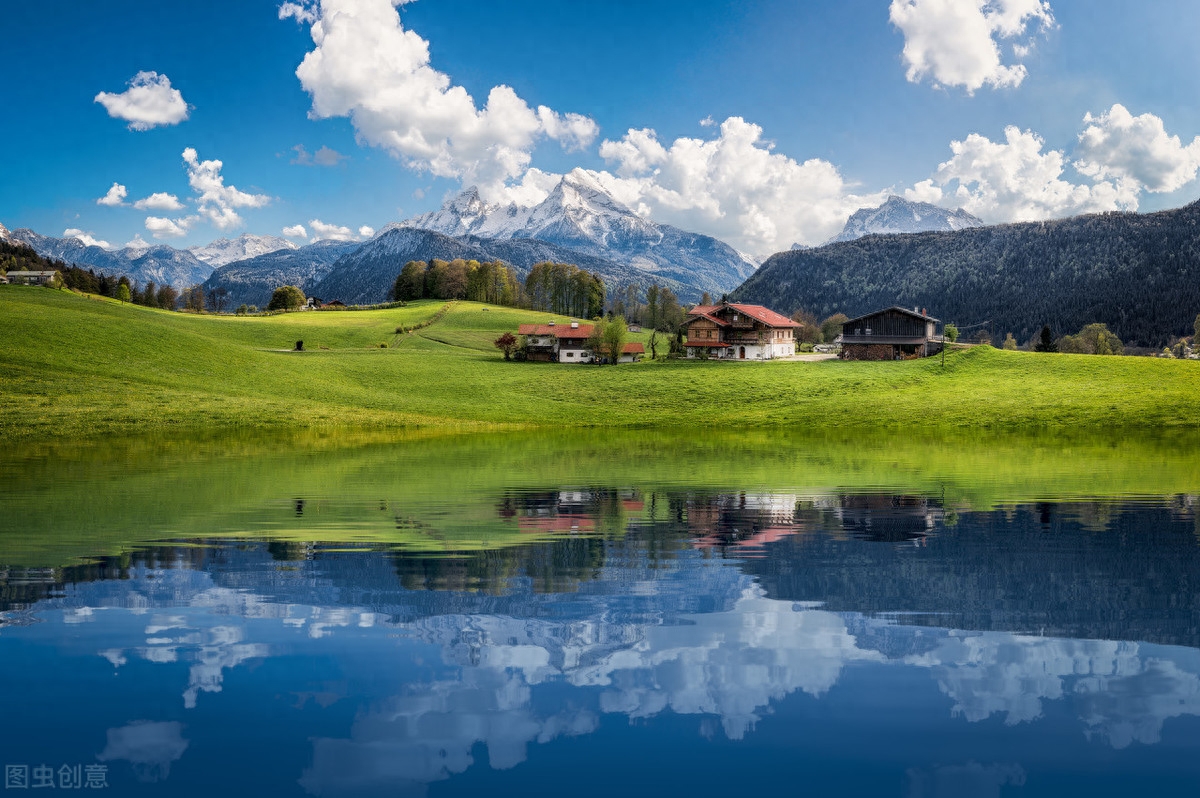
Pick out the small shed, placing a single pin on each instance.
(893, 333)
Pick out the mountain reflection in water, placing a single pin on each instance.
(992, 650)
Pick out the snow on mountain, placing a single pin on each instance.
(4, 234)
(252, 280)
(224, 251)
(899, 215)
(581, 216)
(367, 273)
(162, 263)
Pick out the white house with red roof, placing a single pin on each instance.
(568, 343)
(555, 342)
(739, 332)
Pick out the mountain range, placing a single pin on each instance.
(580, 215)
(1137, 273)
(898, 215)
(578, 222)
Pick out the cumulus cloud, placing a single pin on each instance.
(1136, 150)
(116, 196)
(733, 186)
(159, 201)
(86, 238)
(148, 102)
(957, 42)
(161, 227)
(321, 230)
(575, 132)
(1014, 180)
(366, 231)
(367, 67)
(325, 156)
(215, 200)
(295, 231)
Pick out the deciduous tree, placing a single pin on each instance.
(286, 297)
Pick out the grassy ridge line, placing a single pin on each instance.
(76, 367)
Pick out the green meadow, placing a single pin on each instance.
(437, 494)
(75, 367)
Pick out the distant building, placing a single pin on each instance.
(567, 343)
(894, 333)
(31, 278)
(553, 342)
(739, 332)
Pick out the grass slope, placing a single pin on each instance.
(73, 366)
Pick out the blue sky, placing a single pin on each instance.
(762, 123)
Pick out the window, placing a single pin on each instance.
(570, 354)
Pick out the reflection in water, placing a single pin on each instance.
(758, 617)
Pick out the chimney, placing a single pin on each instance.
(574, 325)
(550, 324)
(924, 312)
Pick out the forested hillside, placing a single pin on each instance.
(1137, 273)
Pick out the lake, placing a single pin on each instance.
(598, 613)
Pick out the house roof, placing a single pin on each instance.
(582, 332)
(694, 315)
(896, 309)
(756, 312)
(634, 348)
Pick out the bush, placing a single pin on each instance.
(286, 297)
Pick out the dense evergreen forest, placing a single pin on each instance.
(1137, 273)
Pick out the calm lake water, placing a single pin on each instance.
(629, 614)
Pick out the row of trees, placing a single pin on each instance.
(565, 288)
(489, 281)
(660, 310)
(812, 331)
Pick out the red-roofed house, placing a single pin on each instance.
(553, 342)
(741, 332)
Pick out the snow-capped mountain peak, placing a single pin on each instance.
(898, 215)
(579, 214)
(4, 234)
(247, 245)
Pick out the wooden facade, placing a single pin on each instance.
(739, 332)
(893, 333)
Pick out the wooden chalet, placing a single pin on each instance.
(557, 343)
(739, 332)
(894, 333)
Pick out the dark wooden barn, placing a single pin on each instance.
(894, 333)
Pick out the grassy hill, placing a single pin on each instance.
(74, 366)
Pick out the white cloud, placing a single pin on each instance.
(159, 201)
(575, 132)
(733, 187)
(1135, 150)
(1015, 180)
(956, 42)
(161, 227)
(305, 12)
(924, 191)
(137, 242)
(321, 230)
(148, 102)
(325, 156)
(86, 238)
(295, 231)
(366, 231)
(216, 200)
(116, 196)
(367, 67)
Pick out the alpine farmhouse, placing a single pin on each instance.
(739, 332)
